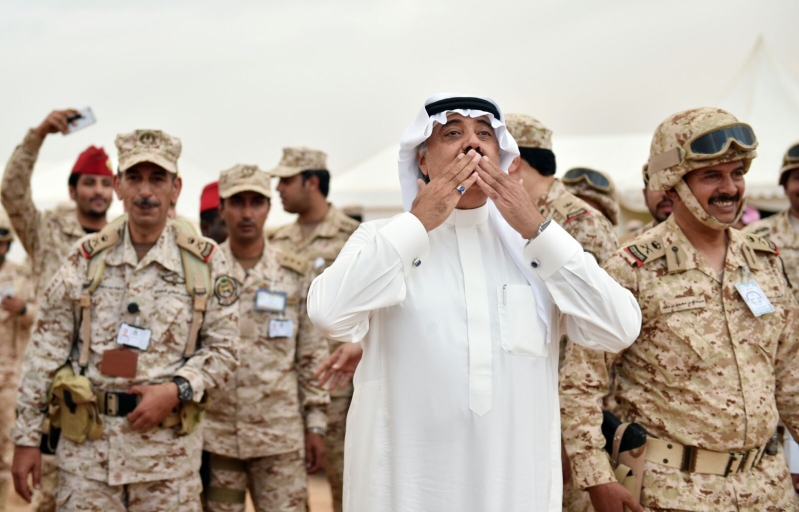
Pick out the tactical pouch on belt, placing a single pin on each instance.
(187, 416)
(73, 406)
(626, 443)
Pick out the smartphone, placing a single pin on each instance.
(82, 120)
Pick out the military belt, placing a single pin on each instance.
(698, 460)
(116, 403)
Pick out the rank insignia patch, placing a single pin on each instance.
(226, 290)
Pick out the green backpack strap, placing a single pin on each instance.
(195, 251)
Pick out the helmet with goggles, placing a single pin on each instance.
(789, 162)
(694, 139)
(6, 232)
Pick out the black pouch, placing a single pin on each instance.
(49, 441)
(634, 435)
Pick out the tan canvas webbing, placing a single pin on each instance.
(198, 284)
(220, 495)
(94, 274)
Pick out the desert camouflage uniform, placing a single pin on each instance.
(320, 249)
(255, 429)
(124, 462)
(778, 229)
(705, 372)
(46, 236)
(14, 334)
(628, 237)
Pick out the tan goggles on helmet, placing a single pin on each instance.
(706, 146)
(792, 155)
(593, 178)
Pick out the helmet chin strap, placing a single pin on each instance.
(700, 213)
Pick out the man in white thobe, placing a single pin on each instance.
(456, 304)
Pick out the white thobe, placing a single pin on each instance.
(413, 443)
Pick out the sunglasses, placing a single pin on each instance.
(594, 179)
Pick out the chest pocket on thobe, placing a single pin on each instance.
(522, 331)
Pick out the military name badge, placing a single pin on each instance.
(754, 297)
(270, 301)
(281, 328)
(134, 337)
(226, 290)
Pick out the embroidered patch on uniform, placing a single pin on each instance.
(226, 290)
(681, 304)
(173, 278)
(641, 253)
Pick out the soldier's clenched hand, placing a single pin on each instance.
(156, 403)
(314, 452)
(56, 122)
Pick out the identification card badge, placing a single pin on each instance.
(270, 301)
(281, 328)
(755, 298)
(135, 337)
(119, 362)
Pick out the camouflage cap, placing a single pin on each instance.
(788, 164)
(528, 131)
(244, 178)
(299, 159)
(152, 146)
(675, 132)
(6, 230)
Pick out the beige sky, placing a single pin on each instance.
(239, 80)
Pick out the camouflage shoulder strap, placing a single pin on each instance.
(195, 252)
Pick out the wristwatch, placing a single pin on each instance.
(541, 228)
(317, 430)
(185, 393)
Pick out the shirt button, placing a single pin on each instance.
(535, 263)
(417, 262)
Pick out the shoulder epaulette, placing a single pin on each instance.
(347, 224)
(107, 237)
(764, 231)
(643, 250)
(191, 241)
(760, 243)
(571, 207)
(274, 232)
(292, 262)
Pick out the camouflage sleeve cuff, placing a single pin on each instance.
(315, 417)
(28, 430)
(550, 250)
(591, 468)
(407, 235)
(32, 142)
(195, 378)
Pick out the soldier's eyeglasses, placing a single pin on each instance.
(594, 179)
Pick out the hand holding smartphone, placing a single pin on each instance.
(84, 118)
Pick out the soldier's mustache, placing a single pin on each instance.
(146, 203)
(477, 150)
(726, 197)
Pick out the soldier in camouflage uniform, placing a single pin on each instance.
(783, 228)
(17, 311)
(133, 463)
(595, 188)
(48, 236)
(658, 204)
(712, 370)
(257, 429)
(536, 166)
(317, 236)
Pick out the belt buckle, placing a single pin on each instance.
(732, 467)
(111, 403)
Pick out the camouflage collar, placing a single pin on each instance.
(165, 252)
(328, 227)
(681, 254)
(263, 270)
(67, 218)
(556, 190)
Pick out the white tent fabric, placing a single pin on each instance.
(762, 94)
